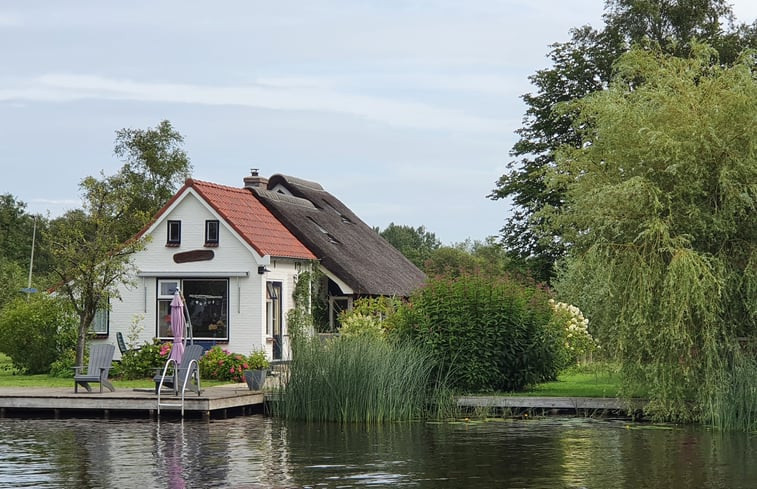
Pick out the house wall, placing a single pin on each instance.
(233, 259)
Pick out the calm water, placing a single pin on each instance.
(258, 452)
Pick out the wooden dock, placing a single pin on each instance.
(551, 405)
(236, 399)
(217, 401)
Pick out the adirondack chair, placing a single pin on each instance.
(100, 360)
(122, 344)
(179, 376)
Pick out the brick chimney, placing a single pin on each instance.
(255, 180)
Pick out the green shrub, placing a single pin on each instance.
(485, 333)
(221, 364)
(358, 324)
(63, 367)
(35, 331)
(258, 360)
(369, 316)
(144, 362)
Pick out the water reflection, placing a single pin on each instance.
(258, 452)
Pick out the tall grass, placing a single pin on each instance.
(358, 380)
(733, 406)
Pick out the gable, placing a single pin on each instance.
(243, 214)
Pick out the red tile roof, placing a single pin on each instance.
(251, 220)
(248, 217)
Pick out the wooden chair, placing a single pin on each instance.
(122, 344)
(183, 372)
(100, 360)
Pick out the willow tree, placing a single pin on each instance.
(659, 211)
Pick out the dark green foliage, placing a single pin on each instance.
(582, 66)
(13, 279)
(144, 362)
(36, 331)
(416, 244)
(486, 257)
(487, 334)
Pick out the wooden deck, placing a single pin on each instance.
(552, 405)
(217, 401)
(237, 399)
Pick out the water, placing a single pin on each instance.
(259, 452)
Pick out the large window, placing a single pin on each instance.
(207, 302)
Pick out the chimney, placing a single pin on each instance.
(255, 180)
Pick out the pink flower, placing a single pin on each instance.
(244, 365)
(231, 370)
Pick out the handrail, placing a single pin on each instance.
(184, 382)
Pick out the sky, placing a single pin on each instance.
(405, 110)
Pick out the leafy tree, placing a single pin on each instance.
(582, 66)
(91, 260)
(468, 257)
(659, 210)
(17, 230)
(416, 244)
(35, 331)
(13, 278)
(155, 166)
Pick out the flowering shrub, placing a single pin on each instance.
(579, 344)
(145, 361)
(358, 324)
(221, 364)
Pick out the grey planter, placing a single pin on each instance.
(255, 379)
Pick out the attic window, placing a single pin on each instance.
(212, 229)
(174, 233)
(329, 236)
(344, 218)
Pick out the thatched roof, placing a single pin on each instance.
(343, 243)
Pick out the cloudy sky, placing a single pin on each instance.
(403, 109)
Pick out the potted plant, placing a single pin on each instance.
(255, 375)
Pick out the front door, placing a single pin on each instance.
(273, 318)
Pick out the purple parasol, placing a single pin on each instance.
(178, 325)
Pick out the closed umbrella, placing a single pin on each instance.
(178, 325)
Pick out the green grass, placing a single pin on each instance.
(578, 384)
(9, 378)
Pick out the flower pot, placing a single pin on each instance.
(255, 379)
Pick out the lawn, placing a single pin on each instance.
(594, 381)
(600, 383)
(9, 378)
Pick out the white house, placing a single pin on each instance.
(235, 254)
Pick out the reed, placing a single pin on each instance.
(358, 380)
(733, 404)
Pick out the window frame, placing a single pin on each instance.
(164, 295)
(102, 318)
(210, 240)
(173, 232)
